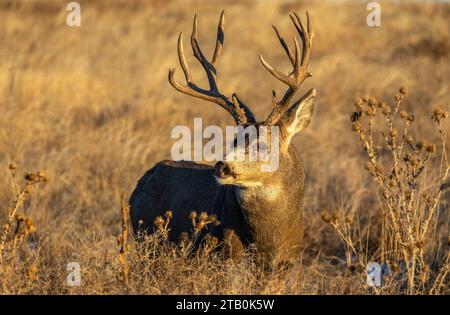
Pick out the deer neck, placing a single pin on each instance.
(273, 211)
(275, 199)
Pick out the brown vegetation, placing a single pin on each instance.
(93, 108)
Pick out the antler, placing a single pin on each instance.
(240, 112)
(299, 63)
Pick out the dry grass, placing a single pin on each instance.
(92, 107)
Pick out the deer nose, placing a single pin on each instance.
(221, 170)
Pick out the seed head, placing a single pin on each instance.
(203, 216)
(12, 165)
(355, 116)
(358, 102)
(404, 114)
(356, 126)
(31, 177)
(20, 217)
(420, 145)
(335, 215)
(392, 182)
(159, 221)
(414, 160)
(213, 219)
(349, 219)
(379, 169)
(431, 148)
(326, 217)
(409, 140)
(385, 108)
(192, 215)
(437, 111)
(439, 114)
(168, 214)
(29, 224)
(199, 226)
(372, 101)
(214, 241)
(28, 189)
(393, 133)
(370, 111)
(407, 157)
(403, 90)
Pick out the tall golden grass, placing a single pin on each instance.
(91, 106)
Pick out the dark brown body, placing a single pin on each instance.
(183, 187)
(248, 215)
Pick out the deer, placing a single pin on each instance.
(258, 210)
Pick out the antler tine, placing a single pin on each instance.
(297, 50)
(305, 35)
(299, 62)
(276, 73)
(209, 69)
(309, 25)
(182, 59)
(220, 39)
(240, 112)
(285, 46)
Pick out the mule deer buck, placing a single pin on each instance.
(253, 207)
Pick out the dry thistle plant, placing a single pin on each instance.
(187, 242)
(17, 226)
(201, 221)
(162, 224)
(411, 188)
(342, 224)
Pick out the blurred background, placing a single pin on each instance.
(93, 107)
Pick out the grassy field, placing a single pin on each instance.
(91, 106)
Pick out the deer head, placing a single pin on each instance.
(287, 115)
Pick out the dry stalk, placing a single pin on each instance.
(11, 239)
(122, 240)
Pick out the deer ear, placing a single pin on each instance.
(298, 116)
